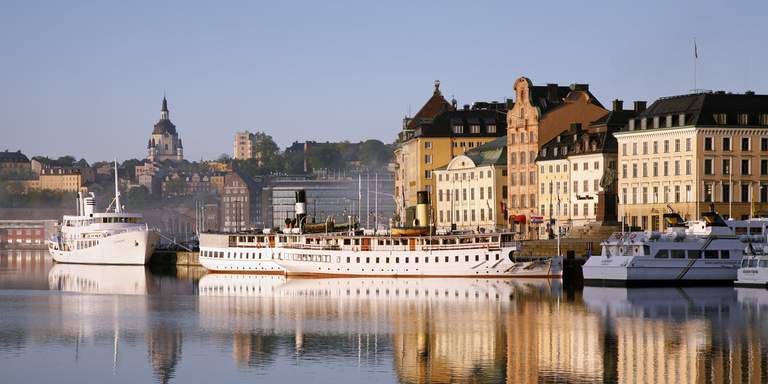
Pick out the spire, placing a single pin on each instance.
(437, 87)
(164, 110)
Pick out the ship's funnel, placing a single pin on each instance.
(89, 205)
(422, 209)
(301, 207)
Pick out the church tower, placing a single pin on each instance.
(164, 144)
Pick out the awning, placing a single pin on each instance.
(519, 219)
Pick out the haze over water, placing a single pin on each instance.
(79, 323)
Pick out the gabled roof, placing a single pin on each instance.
(435, 105)
(442, 125)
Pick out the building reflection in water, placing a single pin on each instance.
(424, 330)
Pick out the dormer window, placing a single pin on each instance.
(631, 124)
(681, 119)
(720, 118)
(474, 129)
(458, 129)
(544, 152)
(491, 129)
(554, 150)
(643, 123)
(764, 119)
(669, 122)
(656, 121)
(743, 119)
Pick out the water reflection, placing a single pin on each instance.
(130, 324)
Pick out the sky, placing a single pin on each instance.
(86, 78)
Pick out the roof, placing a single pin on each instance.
(491, 153)
(430, 109)
(164, 126)
(550, 96)
(558, 148)
(491, 114)
(13, 157)
(700, 109)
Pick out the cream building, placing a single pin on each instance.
(554, 185)
(472, 190)
(61, 179)
(688, 151)
(165, 144)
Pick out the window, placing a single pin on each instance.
(575, 187)
(623, 196)
(708, 167)
(688, 167)
(745, 167)
(666, 146)
(708, 144)
(634, 148)
(586, 166)
(726, 166)
(474, 128)
(687, 145)
(575, 209)
(764, 119)
(623, 172)
(597, 165)
(576, 165)
(596, 186)
(745, 143)
(677, 193)
(634, 170)
(492, 129)
(708, 188)
(645, 147)
(677, 145)
(655, 147)
(428, 174)
(763, 167)
(522, 158)
(645, 169)
(428, 159)
(503, 191)
(666, 168)
(726, 192)
(745, 193)
(726, 143)
(677, 167)
(427, 145)
(645, 195)
(586, 186)
(655, 169)
(720, 118)
(458, 129)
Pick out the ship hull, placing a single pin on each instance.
(449, 263)
(126, 248)
(633, 270)
(239, 260)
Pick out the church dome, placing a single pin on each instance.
(164, 126)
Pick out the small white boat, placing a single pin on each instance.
(698, 252)
(754, 266)
(115, 237)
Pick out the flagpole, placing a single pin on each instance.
(695, 62)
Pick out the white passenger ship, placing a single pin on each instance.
(707, 251)
(103, 238)
(410, 252)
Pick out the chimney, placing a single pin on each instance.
(552, 92)
(579, 87)
(454, 103)
(618, 105)
(639, 106)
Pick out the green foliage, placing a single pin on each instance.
(374, 154)
(137, 197)
(11, 196)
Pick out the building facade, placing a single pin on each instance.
(686, 152)
(429, 143)
(539, 114)
(61, 179)
(14, 164)
(240, 203)
(164, 143)
(472, 189)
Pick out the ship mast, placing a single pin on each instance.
(118, 207)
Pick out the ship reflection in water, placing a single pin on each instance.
(70, 323)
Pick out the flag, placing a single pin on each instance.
(695, 49)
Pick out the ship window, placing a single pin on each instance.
(386, 260)
(466, 258)
(397, 260)
(744, 263)
(457, 259)
(377, 260)
(486, 257)
(426, 259)
(347, 259)
(367, 260)
(763, 263)
(357, 260)
(694, 255)
(437, 259)
(406, 260)
(646, 250)
(446, 259)
(753, 263)
(417, 260)
(710, 254)
(725, 254)
(477, 258)
(662, 254)
(678, 254)
(346, 242)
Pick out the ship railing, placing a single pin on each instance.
(511, 244)
(318, 247)
(448, 247)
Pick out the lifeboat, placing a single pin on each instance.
(410, 231)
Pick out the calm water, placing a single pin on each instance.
(75, 323)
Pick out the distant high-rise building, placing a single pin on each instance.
(164, 144)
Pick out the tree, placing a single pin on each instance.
(65, 161)
(224, 158)
(326, 156)
(375, 154)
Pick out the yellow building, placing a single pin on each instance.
(61, 179)
(472, 189)
(435, 135)
(692, 150)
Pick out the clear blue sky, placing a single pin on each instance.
(87, 77)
